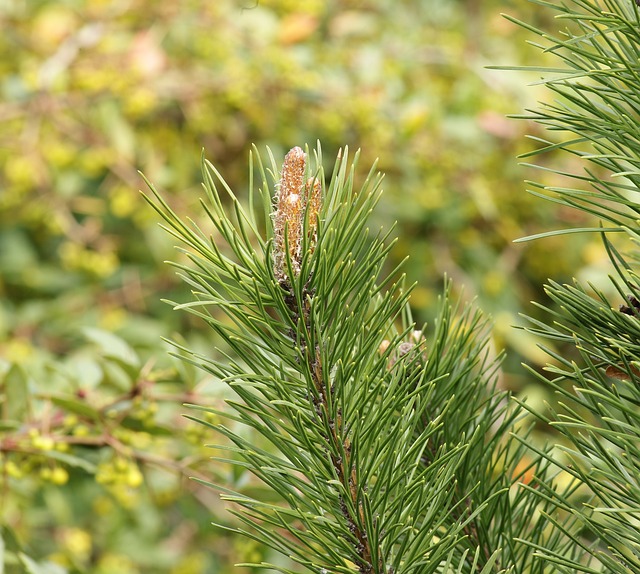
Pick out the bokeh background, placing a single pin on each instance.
(94, 450)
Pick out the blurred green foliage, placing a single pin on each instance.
(93, 448)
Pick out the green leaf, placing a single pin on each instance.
(72, 460)
(16, 390)
(9, 539)
(155, 429)
(33, 567)
(86, 370)
(76, 406)
(112, 346)
(9, 425)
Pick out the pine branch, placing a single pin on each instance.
(598, 100)
(386, 448)
(306, 312)
(598, 90)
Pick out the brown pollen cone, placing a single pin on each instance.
(289, 211)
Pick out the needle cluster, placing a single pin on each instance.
(384, 447)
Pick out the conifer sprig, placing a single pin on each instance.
(306, 307)
(386, 448)
(597, 86)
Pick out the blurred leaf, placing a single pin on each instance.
(16, 389)
(135, 424)
(116, 375)
(87, 370)
(33, 567)
(9, 541)
(72, 460)
(112, 346)
(76, 406)
(117, 129)
(7, 425)
(15, 251)
(9, 548)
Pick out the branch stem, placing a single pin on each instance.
(338, 446)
